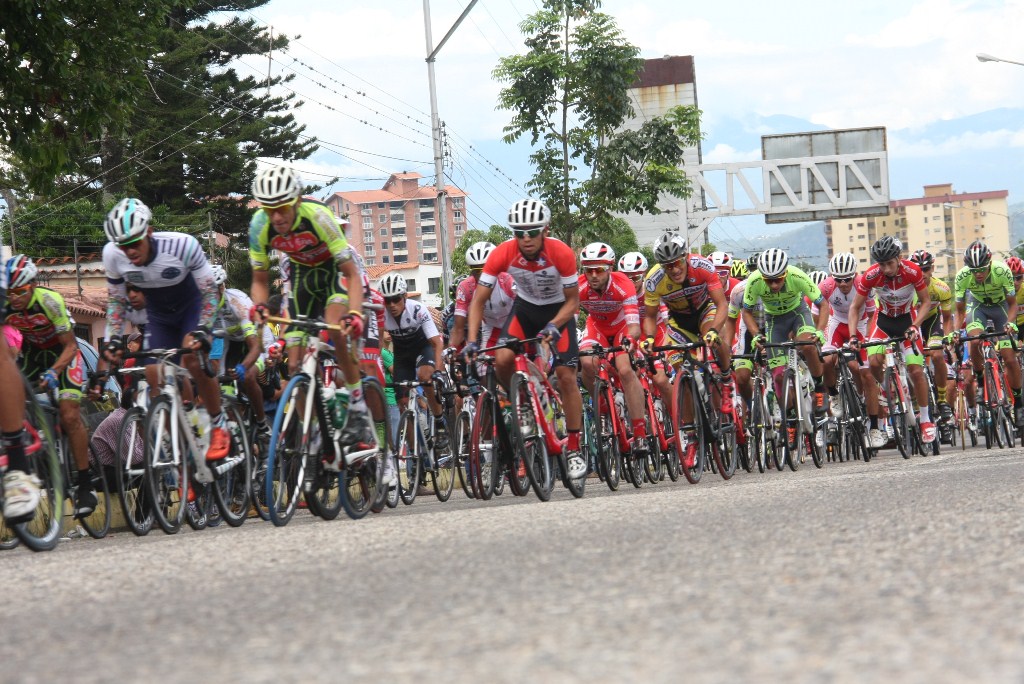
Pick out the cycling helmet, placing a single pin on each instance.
(476, 255)
(843, 265)
(922, 258)
(127, 221)
(454, 287)
(739, 269)
(752, 261)
(276, 186)
(886, 248)
(20, 271)
(633, 262)
(669, 248)
(721, 261)
(772, 262)
(529, 213)
(220, 276)
(817, 277)
(978, 255)
(1015, 265)
(597, 253)
(393, 285)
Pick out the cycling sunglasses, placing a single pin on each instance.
(18, 291)
(593, 270)
(839, 280)
(270, 208)
(394, 300)
(527, 232)
(777, 279)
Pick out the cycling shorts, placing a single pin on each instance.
(784, 327)
(407, 365)
(889, 326)
(527, 320)
(37, 360)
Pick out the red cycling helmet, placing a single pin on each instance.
(1015, 265)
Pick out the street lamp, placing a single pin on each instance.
(983, 57)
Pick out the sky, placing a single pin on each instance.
(761, 68)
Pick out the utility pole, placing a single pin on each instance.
(436, 134)
(78, 269)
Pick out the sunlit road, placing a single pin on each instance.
(908, 571)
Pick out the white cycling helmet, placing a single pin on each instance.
(843, 265)
(220, 275)
(529, 213)
(772, 262)
(127, 221)
(20, 271)
(476, 255)
(597, 253)
(817, 277)
(722, 261)
(393, 285)
(633, 262)
(671, 247)
(276, 186)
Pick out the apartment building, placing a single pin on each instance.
(398, 223)
(941, 221)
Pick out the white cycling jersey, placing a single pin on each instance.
(414, 327)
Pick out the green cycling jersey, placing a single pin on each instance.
(796, 286)
(993, 291)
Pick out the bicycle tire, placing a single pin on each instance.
(694, 473)
(258, 473)
(721, 432)
(231, 489)
(131, 487)
(790, 395)
(442, 476)
(897, 414)
(483, 448)
(198, 512)
(854, 415)
(97, 523)
(409, 463)
(43, 532)
(531, 445)
(361, 486)
(609, 459)
(817, 451)
(286, 458)
(654, 462)
(463, 433)
(166, 482)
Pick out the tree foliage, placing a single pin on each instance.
(495, 235)
(569, 94)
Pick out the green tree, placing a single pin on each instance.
(69, 70)
(707, 248)
(495, 235)
(579, 68)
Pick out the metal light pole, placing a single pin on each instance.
(435, 126)
(983, 57)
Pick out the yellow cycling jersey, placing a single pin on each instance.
(1020, 306)
(941, 296)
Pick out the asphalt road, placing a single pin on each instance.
(907, 571)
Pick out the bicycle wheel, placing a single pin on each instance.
(409, 451)
(609, 457)
(463, 434)
(130, 469)
(199, 512)
(286, 453)
(361, 485)
(693, 473)
(853, 419)
(258, 473)
(528, 441)
(816, 449)
(442, 476)
(43, 531)
(654, 463)
(794, 430)
(1004, 433)
(721, 432)
(166, 465)
(483, 448)
(8, 539)
(97, 523)
(231, 488)
(897, 413)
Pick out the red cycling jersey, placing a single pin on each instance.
(541, 280)
(895, 295)
(612, 310)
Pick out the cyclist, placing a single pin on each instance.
(993, 300)
(498, 307)
(722, 261)
(781, 289)
(689, 286)
(181, 299)
(417, 345)
(612, 319)
(136, 314)
(321, 265)
(937, 326)
(739, 338)
(50, 357)
(547, 302)
(634, 266)
(1016, 267)
(448, 313)
(894, 281)
(242, 346)
(839, 291)
(739, 270)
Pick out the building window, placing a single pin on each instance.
(458, 216)
(430, 257)
(427, 203)
(860, 225)
(398, 218)
(429, 243)
(368, 221)
(397, 205)
(401, 259)
(367, 236)
(383, 245)
(382, 218)
(381, 205)
(433, 285)
(457, 201)
(368, 250)
(385, 260)
(926, 219)
(383, 231)
(399, 245)
(861, 249)
(84, 332)
(370, 262)
(410, 282)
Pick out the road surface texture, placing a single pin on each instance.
(894, 571)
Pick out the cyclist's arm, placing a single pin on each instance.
(476, 309)
(68, 353)
(650, 321)
(458, 332)
(259, 291)
(924, 307)
(437, 342)
(824, 310)
(947, 322)
(1011, 307)
(961, 314)
(570, 308)
(721, 309)
(856, 306)
(354, 285)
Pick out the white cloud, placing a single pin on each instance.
(723, 153)
(966, 142)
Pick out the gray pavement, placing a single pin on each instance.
(907, 571)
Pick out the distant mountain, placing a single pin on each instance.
(804, 243)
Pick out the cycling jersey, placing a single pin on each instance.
(610, 311)
(942, 297)
(993, 291)
(498, 307)
(895, 295)
(314, 240)
(413, 329)
(44, 319)
(788, 298)
(177, 281)
(541, 280)
(839, 303)
(233, 315)
(1020, 307)
(687, 297)
(736, 305)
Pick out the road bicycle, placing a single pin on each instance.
(608, 403)
(995, 404)
(896, 390)
(852, 424)
(462, 425)
(661, 432)
(799, 435)
(964, 419)
(416, 452)
(764, 416)
(304, 434)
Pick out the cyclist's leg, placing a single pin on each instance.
(590, 364)
(21, 491)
